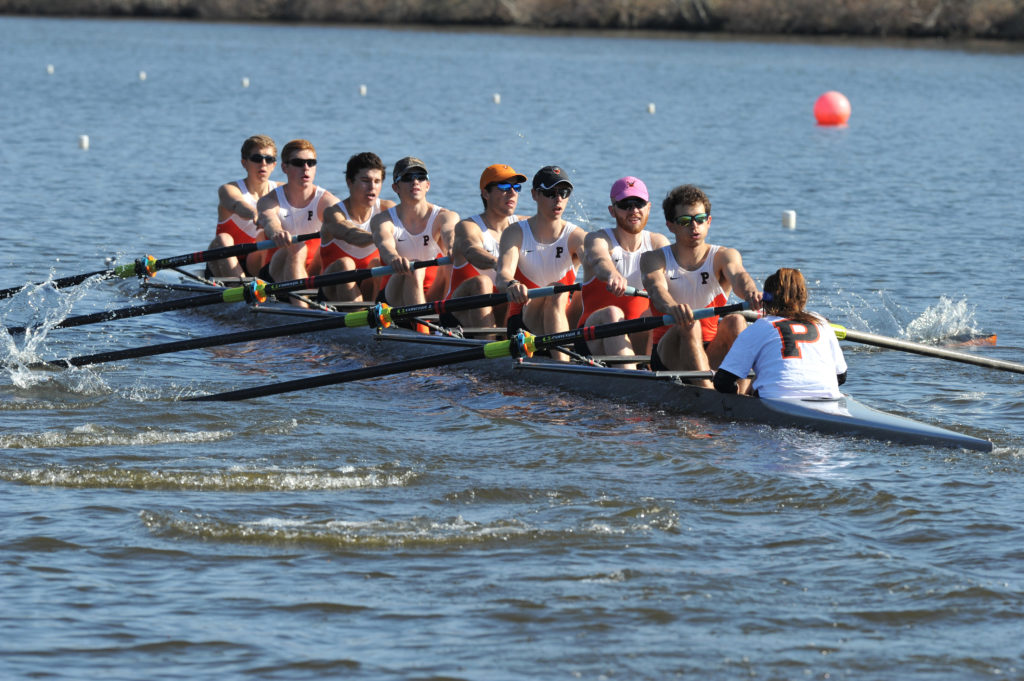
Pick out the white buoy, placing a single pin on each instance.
(362, 90)
(789, 219)
(49, 69)
(497, 98)
(83, 142)
(650, 108)
(245, 82)
(142, 75)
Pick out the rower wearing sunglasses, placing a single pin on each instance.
(541, 251)
(474, 247)
(692, 274)
(611, 263)
(236, 209)
(413, 230)
(295, 208)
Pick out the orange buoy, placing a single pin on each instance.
(832, 108)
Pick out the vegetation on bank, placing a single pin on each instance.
(960, 19)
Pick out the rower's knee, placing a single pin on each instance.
(606, 315)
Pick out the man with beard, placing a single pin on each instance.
(474, 247)
(611, 262)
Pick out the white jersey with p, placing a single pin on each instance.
(299, 220)
(791, 359)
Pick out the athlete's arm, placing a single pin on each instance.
(508, 259)
(383, 231)
(233, 202)
(597, 261)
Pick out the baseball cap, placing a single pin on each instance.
(628, 186)
(404, 165)
(548, 176)
(499, 172)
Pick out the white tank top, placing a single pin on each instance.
(545, 263)
(489, 242)
(697, 288)
(627, 262)
(357, 252)
(247, 226)
(302, 219)
(416, 246)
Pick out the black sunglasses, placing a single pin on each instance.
(631, 203)
(413, 177)
(562, 192)
(299, 162)
(260, 158)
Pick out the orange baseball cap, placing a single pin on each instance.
(499, 172)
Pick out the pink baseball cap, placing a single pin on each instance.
(629, 186)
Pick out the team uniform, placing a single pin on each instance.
(595, 291)
(543, 264)
(362, 256)
(466, 271)
(417, 246)
(791, 359)
(699, 288)
(240, 230)
(298, 221)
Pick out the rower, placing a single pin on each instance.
(611, 262)
(413, 230)
(692, 273)
(236, 209)
(794, 353)
(294, 209)
(541, 251)
(346, 242)
(474, 247)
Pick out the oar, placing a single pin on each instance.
(149, 265)
(255, 291)
(843, 333)
(518, 346)
(383, 316)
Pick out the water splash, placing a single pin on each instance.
(880, 313)
(945, 319)
(39, 307)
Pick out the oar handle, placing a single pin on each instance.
(332, 279)
(526, 345)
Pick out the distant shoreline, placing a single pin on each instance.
(956, 20)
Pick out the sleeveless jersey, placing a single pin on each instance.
(417, 246)
(544, 264)
(699, 288)
(301, 220)
(361, 255)
(242, 231)
(595, 292)
(466, 270)
(791, 359)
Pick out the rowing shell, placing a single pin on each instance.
(663, 389)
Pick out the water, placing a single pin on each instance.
(446, 526)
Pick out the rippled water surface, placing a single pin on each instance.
(446, 525)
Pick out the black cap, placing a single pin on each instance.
(549, 176)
